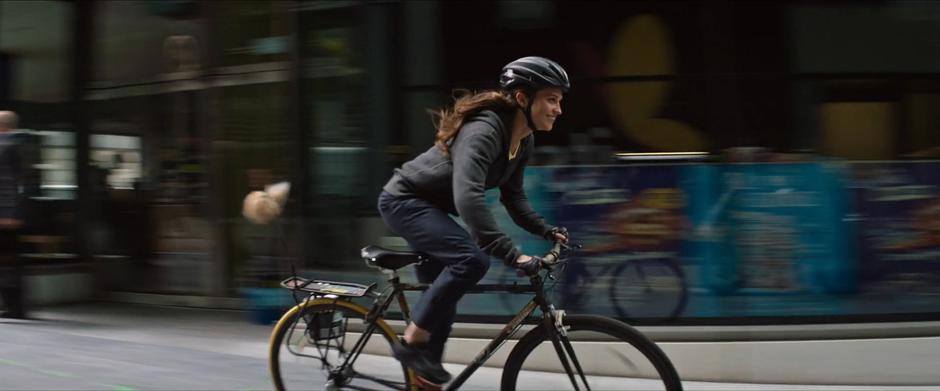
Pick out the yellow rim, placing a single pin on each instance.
(289, 315)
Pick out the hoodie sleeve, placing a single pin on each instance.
(512, 195)
(472, 152)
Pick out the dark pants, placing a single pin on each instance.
(11, 274)
(456, 262)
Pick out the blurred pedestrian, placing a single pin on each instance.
(11, 214)
(484, 140)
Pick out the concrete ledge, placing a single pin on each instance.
(894, 362)
(801, 332)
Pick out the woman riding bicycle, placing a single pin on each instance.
(483, 141)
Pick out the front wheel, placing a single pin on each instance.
(319, 345)
(599, 354)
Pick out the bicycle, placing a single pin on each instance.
(648, 285)
(638, 285)
(336, 333)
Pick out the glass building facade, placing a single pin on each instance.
(157, 117)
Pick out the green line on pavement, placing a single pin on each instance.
(34, 369)
(58, 374)
(12, 363)
(55, 373)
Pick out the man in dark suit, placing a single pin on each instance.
(11, 217)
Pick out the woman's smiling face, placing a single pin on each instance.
(546, 108)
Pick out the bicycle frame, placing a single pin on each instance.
(382, 302)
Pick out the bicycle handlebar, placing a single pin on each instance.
(547, 261)
(551, 258)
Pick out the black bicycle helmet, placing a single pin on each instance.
(535, 73)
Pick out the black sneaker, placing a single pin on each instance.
(419, 360)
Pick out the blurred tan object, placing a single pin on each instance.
(260, 207)
(279, 191)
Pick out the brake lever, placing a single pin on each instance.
(568, 246)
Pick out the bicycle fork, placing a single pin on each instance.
(553, 321)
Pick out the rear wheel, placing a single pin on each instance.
(611, 355)
(311, 342)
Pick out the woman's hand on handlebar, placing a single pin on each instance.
(530, 265)
(559, 234)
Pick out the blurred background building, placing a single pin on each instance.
(154, 118)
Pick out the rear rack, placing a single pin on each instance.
(320, 287)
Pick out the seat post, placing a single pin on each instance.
(390, 275)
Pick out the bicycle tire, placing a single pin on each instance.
(647, 304)
(600, 344)
(297, 331)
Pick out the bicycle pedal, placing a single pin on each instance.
(425, 385)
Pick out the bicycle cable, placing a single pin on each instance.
(559, 268)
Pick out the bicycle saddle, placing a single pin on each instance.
(384, 258)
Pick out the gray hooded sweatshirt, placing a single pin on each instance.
(479, 161)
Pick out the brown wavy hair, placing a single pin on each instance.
(448, 120)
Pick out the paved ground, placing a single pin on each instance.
(124, 347)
